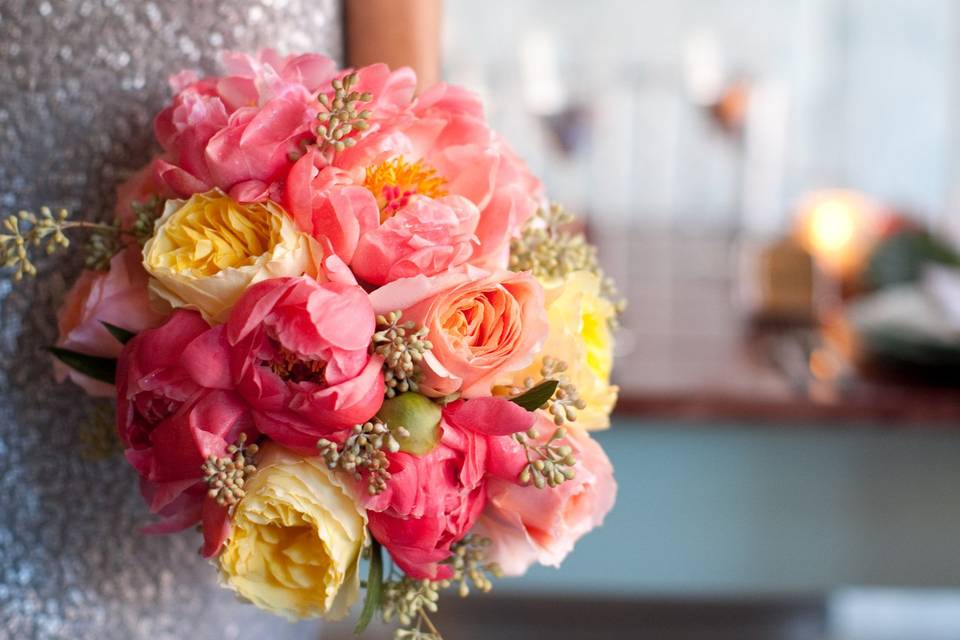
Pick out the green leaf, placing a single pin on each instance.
(534, 398)
(371, 603)
(122, 335)
(102, 369)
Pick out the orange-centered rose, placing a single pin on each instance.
(481, 326)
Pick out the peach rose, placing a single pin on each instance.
(482, 325)
(528, 525)
(118, 296)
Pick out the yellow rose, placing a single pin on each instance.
(296, 540)
(579, 319)
(207, 250)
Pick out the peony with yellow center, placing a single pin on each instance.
(206, 251)
(394, 182)
(580, 335)
(297, 536)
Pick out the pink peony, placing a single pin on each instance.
(297, 351)
(432, 501)
(119, 297)
(237, 132)
(529, 525)
(425, 237)
(481, 326)
(169, 424)
(370, 202)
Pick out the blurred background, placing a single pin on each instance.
(775, 186)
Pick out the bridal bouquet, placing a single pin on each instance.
(340, 323)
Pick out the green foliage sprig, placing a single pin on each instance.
(98, 433)
(555, 393)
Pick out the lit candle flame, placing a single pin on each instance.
(836, 227)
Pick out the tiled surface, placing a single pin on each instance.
(683, 330)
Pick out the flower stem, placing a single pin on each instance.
(83, 224)
(430, 625)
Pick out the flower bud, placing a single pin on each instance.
(420, 418)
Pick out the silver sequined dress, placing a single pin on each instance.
(80, 81)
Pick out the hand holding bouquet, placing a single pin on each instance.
(340, 320)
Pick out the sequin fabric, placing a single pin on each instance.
(80, 81)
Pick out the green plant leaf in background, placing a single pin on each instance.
(371, 603)
(902, 258)
(102, 369)
(122, 335)
(534, 398)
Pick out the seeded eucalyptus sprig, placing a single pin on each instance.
(469, 562)
(20, 234)
(402, 345)
(341, 118)
(364, 451)
(25, 231)
(548, 250)
(145, 216)
(102, 245)
(411, 601)
(550, 464)
(225, 476)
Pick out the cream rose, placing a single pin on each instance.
(296, 539)
(579, 334)
(207, 250)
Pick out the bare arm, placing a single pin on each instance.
(397, 32)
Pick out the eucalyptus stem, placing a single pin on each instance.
(430, 625)
(99, 226)
(26, 231)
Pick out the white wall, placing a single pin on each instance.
(858, 93)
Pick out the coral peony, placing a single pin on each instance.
(169, 425)
(432, 501)
(297, 351)
(236, 132)
(370, 203)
